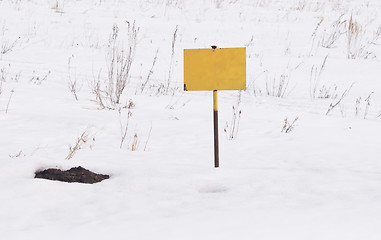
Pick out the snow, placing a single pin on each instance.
(319, 181)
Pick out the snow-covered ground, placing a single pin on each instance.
(313, 62)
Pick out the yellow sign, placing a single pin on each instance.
(215, 69)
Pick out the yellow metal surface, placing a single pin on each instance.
(215, 69)
(215, 102)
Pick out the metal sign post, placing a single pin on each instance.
(215, 123)
(211, 70)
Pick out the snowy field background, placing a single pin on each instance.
(314, 61)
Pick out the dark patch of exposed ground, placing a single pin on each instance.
(75, 174)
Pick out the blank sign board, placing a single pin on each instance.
(215, 69)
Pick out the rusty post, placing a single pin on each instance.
(215, 121)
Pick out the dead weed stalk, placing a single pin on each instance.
(315, 77)
(288, 126)
(231, 129)
(80, 144)
(108, 93)
(171, 65)
(338, 102)
(357, 42)
(123, 129)
(278, 88)
(149, 73)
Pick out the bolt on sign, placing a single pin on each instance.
(214, 69)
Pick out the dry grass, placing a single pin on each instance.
(80, 143)
(328, 92)
(3, 77)
(278, 87)
(9, 101)
(149, 73)
(72, 83)
(148, 138)
(315, 77)
(58, 6)
(37, 79)
(134, 137)
(367, 105)
(134, 143)
(7, 45)
(17, 155)
(333, 105)
(332, 35)
(231, 129)
(171, 65)
(289, 126)
(108, 93)
(123, 129)
(358, 41)
(354, 36)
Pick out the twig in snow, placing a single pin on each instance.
(78, 145)
(9, 100)
(333, 105)
(149, 135)
(123, 130)
(150, 72)
(367, 100)
(287, 127)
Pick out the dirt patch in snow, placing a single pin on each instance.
(75, 174)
